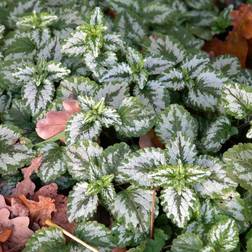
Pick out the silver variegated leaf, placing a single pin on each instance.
(249, 133)
(187, 242)
(217, 182)
(168, 47)
(132, 207)
(229, 65)
(181, 149)
(75, 86)
(137, 165)
(239, 162)
(179, 205)
(46, 240)
(15, 151)
(224, 235)
(137, 119)
(81, 205)
(217, 133)
(237, 100)
(95, 234)
(156, 64)
(80, 156)
(53, 162)
(175, 118)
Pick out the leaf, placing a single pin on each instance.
(179, 205)
(79, 158)
(239, 162)
(249, 133)
(81, 205)
(137, 119)
(38, 83)
(5, 234)
(95, 234)
(180, 148)
(136, 166)
(15, 150)
(39, 211)
(217, 133)
(218, 181)
(45, 240)
(236, 100)
(20, 230)
(53, 162)
(174, 119)
(150, 140)
(187, 242)
(132, 207)
(224, 235)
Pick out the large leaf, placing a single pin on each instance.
(187, 242)
(174, 119)
(53, 162)
(81, 205)
(224, 235)
(132, 206)
(79, 158)
(181, 148)
(239, 162)
(237, 100)
(136, 166)
(217, 133)
(137, 118)
(179, 205)
(15, 151)
(46, 240)
(218, 182)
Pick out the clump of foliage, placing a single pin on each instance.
(118, 131)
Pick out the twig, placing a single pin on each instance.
(66, 233)
(152, 217)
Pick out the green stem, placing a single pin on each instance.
(52, 139)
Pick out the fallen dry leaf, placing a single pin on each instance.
(26, 186)
(119, 250)
(150, 140)
(20, 230)
(39, 210)
(50, 191)
(234, 45)
(55, 121)
(5, 234)
(242, 20)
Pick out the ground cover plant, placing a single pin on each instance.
(125, 126)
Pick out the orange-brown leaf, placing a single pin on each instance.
(5, 234)
(150, 140)
(234, 45)
(39, 210)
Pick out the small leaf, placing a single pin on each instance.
(46, 240)
(81, 205)
(179, 205)
(187, 242)
(174, 119)
(224, 235)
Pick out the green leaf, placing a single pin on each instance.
(239, 162)
(224, 235)
(217, 133)
(95, 234)
(179, 205)
(53, 162)
(237, 100)
(249, 133)
(46, 240)
(132, 207)
(181, 149)
(80, 157)
(81, 205)
(137, 118)
(136, 165)
(218, 182)
(15, 151)
(174, 119)
(187, 242)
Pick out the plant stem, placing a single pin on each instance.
(52, 139)
(66, 233)
(152, 217)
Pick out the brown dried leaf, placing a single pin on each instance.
(5, 234)
(150, 140)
